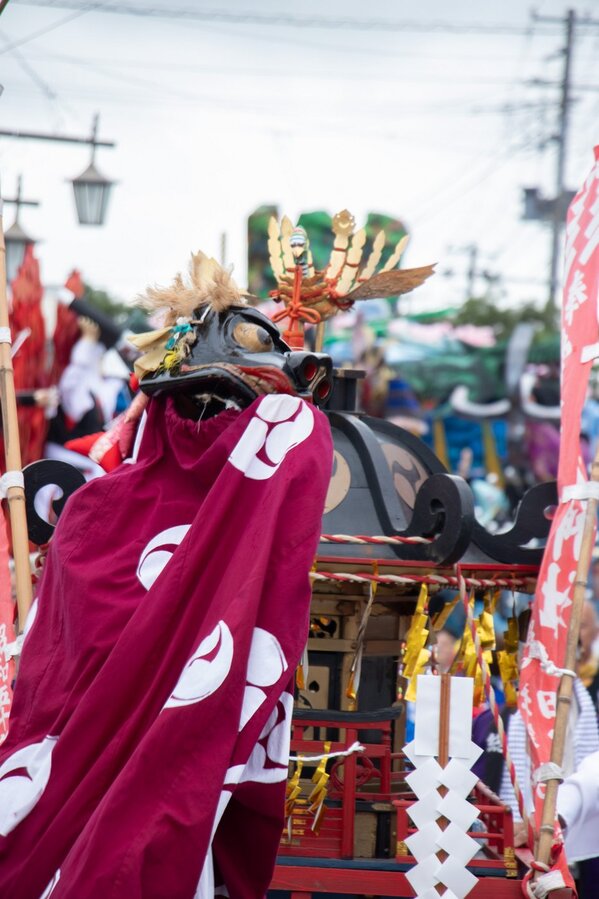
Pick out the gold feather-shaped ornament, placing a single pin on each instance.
(374, 258)
(275, 250)
(351, 264)
(286, 231)
(396, 255)
(343, 228)
(310, 263)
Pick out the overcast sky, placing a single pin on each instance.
(431, 122)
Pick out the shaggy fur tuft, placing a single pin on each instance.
(207, 284)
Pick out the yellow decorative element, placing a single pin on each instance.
(154, 342)
(485, 627)
(337, 259)
(507, 661)
(511, 636)
(293, 789)
(374, 258)
(416, 657)
(315, 296)
(440, 619)
(343, 223)
(286, 231)
(301, 672)
(309, 263)
(274, 248)
(356, 665)
(440, 442)
(509, 860)
(421, 662)
(300, 680)
(317, 797)
(396, 255)
(349, 272)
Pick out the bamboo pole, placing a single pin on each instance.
(566, 686)
(319, 341)
(15, 495)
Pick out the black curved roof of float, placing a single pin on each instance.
(389, 483)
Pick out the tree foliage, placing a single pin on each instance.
(484, 311)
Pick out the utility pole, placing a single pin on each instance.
(553, 211)
(561, 137)
(472, 250)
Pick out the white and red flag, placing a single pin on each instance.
(546, 645)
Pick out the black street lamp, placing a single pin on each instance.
(92, 189)
(17, 240)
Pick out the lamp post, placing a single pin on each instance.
(16, 239)
(91, 189)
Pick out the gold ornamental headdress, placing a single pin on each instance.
(311, 296)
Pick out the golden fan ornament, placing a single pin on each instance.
(312, 297)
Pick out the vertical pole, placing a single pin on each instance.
(10, 425)
(471, 274)
(93, 138)
(561, 138)
(223, 248)
(443, 753)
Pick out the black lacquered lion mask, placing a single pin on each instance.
(216, 351)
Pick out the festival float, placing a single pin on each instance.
(365, 812)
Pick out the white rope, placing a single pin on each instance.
(545, 884)
(547, 771)
(12, 650)
(355, 747)
(5, 335)
(10, 479)
(538, 651)
(588, 490)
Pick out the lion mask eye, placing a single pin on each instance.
(253, 338)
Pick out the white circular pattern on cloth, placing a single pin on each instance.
(267, 660)
(266, 664)
(268, 761)
(158, 553)
(201, 677)
(281, 423)
(20, 793)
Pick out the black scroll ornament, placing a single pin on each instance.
(66, 478)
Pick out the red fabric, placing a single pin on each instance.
(110, 448)
(7, 632)
(174, 602)
(553, 598)
(66, 335)
(75, 284)
(30, 362)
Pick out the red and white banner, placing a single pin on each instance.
(546, 645)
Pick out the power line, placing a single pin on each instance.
(42, 31)
(291, 21)
(45, 88)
